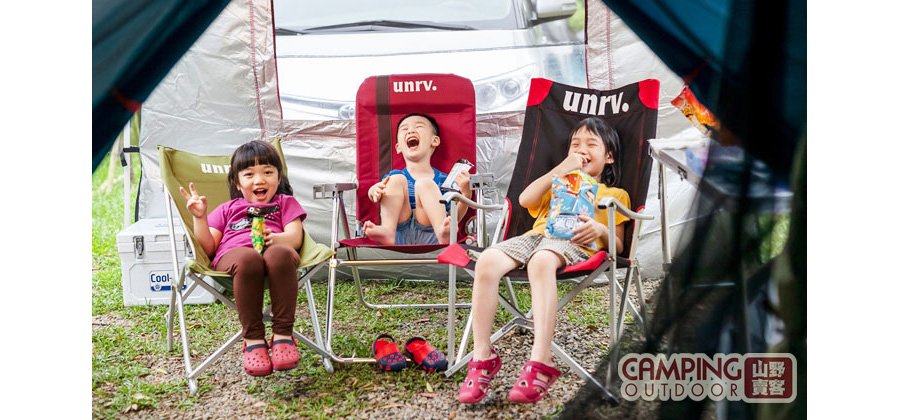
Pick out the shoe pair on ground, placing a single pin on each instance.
(284, 356)
(389, 359)
(532, 385)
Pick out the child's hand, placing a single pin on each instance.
(589, 231)
(268, 236)
(572, 162)
(462, 180)
(377, 191)
(196, 204)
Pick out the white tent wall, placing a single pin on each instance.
(214, 98)
(223, 93)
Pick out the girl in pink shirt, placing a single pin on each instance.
(256, 180)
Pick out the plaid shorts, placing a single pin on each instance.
(522, 248)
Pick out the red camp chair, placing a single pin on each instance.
(380, 104)
(553, 109)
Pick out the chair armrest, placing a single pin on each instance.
(620, 208)
(327, 191)
(454, 196)
(482, 182)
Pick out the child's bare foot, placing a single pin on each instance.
(379, 233)
(443, 232)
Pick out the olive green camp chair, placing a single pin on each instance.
(209, 175)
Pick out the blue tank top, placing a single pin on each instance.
(439, 178)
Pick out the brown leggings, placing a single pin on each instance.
(249, 269)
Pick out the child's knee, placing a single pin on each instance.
(489, 260)
(544, 261)
(397, 181)
(248, 262)
(425, 185)
(281, 254)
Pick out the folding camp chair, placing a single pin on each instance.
(208, 173)
(380, 104)
(553, 109)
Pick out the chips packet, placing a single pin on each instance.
(258, 224)
(572, 195)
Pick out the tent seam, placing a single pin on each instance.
(609, 78)
(262, 125)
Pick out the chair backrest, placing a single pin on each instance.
(382, 101)
(210, 177)
(554, 109)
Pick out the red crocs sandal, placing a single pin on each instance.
(284, 354)
(533, 383)
(256, 360)
(387, 354)
(478, 380)
(425, 355)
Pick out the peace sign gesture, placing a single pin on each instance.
(196, 203)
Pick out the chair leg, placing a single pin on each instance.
(326, 360)
(329, 304)
(451, 311)
(170, 318)
(580, 371)
(192, 383)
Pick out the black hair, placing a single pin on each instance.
(611, 172)
(256, 153)
(434, 124)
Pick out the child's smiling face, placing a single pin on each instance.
(258, 183)
(591, 146)
(416, 138)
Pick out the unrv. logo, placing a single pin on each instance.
(414, 86)
(590, 104)
(214, 169)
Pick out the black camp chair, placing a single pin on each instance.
(553, 109)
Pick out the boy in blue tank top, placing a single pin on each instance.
(411, 212)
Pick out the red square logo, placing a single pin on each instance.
(769, 378)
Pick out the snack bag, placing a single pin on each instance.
(256, 234)
(258, 224)
(459, 167)
(694, 111)
(573, 194)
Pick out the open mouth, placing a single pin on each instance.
(260, 193)
(412, 142)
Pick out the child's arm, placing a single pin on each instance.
(196, 204)
(376, 191)
(532, 194)
(292, 235)
(465, 189)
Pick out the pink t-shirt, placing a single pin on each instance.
(231, 219)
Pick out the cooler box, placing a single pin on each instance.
(147, 275)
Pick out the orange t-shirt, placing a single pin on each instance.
(541, 213)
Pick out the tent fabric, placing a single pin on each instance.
(735, 56)
(224, 92)
(135, 43)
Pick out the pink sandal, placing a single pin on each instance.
(284, 354)
(256, 360)
(533, 383)
(477, 382)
